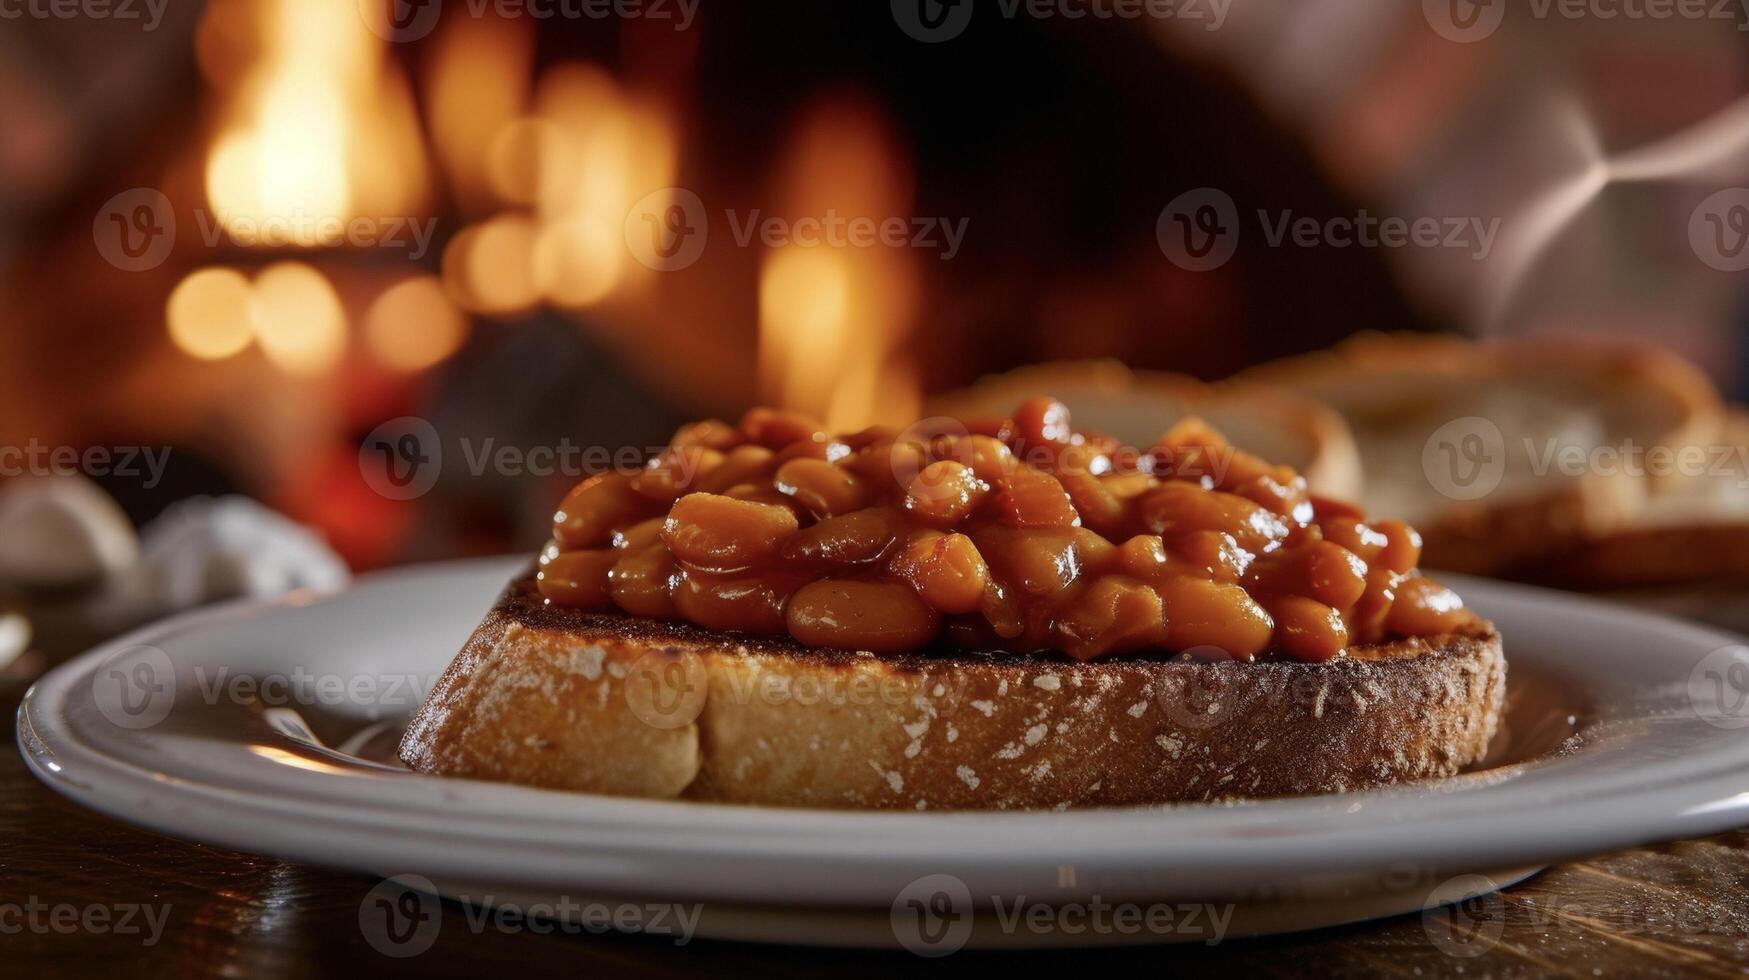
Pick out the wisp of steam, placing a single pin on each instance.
(1714, 148)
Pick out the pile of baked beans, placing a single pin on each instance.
(1017, 535)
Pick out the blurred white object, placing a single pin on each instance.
(14, 637)
(62, 531)
(206, 549)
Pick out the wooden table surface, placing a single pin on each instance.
(1679, 909)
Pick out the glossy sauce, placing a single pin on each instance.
(1020, 535)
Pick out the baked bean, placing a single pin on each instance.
(1366, 621)
(644, 534)
(1095, 552)
(1034, 499)
(1193, 431)
(945, 569)
(856, 615)
(1003, 609)
(642, 583)
(1079, 458)
(1177, 509)
(599, 504)
(1114, 614)
(775, 428)
(869, 436)
(739, 465)
(822, 488)
(1240, 467)
(1335, 576)
(1128, 486)
(945, 493)
(718, 532)
(822, 449)
(1308, 630)
(744, 602)
(849, 539)
(1099, 508)
(1130, 461)
(1356, 536)
(1038, 563)
(578, 578)
(1042, 421)
(1322, 570)
(1191, 451)
(1426, 608)
(1281, 498)
(987, 456)
(889, 466)
(709, 434)
(1402, 548)
(1215, 615)
(1214, 554)
(674, 471)
(548, 552)
(1143, 557)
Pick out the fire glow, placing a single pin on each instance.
(833, 317)
(317, 128)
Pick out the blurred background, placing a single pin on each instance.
(249, 233)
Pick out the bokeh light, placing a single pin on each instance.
(298, 318)
(414, 325)
(208, 314)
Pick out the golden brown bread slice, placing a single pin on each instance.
(1137, 407)
(1545, 399)
(611, 704)
(1695, 535)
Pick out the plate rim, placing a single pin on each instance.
(988, 846)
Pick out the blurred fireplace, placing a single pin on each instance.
(1054, 145)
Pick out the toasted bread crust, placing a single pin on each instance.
(1697, 537)
(570, 700)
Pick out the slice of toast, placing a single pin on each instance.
(1136, 407)
(611, 704)
(1695, 535)
(1525, 410)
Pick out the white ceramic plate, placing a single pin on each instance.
(268, 728)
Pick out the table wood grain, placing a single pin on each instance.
(1672, 910)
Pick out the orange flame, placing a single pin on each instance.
(315, 128)
(583, 159)
(833, 314)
